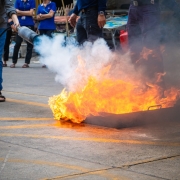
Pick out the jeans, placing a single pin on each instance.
(87, 26)
(144, 39)
(6, 46)
(143, 26)
(17, 46)
(2, 41)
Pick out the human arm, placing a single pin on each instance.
(73, 18)
(75, 10)
(101, 12)
(9, 8)
(15, 20)
(11, 12)
(46, 15)
(25, 13)
(41, 17)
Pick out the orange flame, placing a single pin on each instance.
(106, 93)
(110, 96)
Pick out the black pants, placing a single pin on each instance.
(17, 46)
(144, 41)
(6, 46)
(46, 32)
(87, 26)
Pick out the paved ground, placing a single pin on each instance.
(34, 146)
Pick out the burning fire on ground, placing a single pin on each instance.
(110, 95)
(99, 81)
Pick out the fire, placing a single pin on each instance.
(107, 95)
(116, 87)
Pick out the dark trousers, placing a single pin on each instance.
(2, 41)
(87, 26)
(46, 32)
(17, 46)
(144, 39)
(6, 45)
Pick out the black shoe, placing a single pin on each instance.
(2, 98)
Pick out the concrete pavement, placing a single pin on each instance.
(34, 146)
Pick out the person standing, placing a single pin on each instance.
(92, 19)
(7, 43)
(24, 9)
(45, 16)
(6, 10)
(144, 39)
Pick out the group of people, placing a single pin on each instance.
(25, 11)
(21, 14)
(143, 28)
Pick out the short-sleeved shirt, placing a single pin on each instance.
(49, 22)
(25, 5)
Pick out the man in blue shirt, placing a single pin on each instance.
(92, 19)
(24, 9)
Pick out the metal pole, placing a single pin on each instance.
(67, 27)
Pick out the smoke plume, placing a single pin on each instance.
(73, 65)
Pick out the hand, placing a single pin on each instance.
(38, 17)
(16, 22)
(77, 18)
(101, 20)
(72, 20)
(15, 27)
(9, 20)
(37, 31)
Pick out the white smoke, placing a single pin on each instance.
(73, 65)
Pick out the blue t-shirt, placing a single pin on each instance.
(49, 22)
(25, 5)
(83, 4)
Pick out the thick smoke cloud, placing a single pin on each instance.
(73, 65)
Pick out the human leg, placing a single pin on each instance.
(81, 31)
(49, 33)
(29, 51)
(91, 25)
(2, 41)
(151, 41)
(16, 50)
(151, 26)
(134, 33)
(42, 32)
(6, 47)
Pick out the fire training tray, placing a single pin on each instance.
(157, 116)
